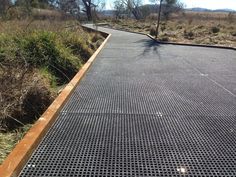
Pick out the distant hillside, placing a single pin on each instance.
(224, 10)
(154, 8)
(108, 12)
(199, 9)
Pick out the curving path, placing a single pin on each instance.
(145, 109)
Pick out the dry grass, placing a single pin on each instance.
(10, 139)
(25, 94)
(190, 27)
(21, 13)
(27, 25)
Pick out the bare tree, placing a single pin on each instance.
(146, 10)
(69, 6)
(4, 5)
(26, 5)
(91, 6)
(171, 6)
(88, 8)
(134, 7)
(159, 18)
(34, 3)
(166, 8)
(119, 8)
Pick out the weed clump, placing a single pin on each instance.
(164, 39)
(24, 95)
(215, 29)
(153, 30)
(46, 50)
(188, 34)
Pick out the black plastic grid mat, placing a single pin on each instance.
(156, 94)
(136, 145)
(146, 110)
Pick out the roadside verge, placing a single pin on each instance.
(16, 160)
(104, 25)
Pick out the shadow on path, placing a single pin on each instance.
(150, 47)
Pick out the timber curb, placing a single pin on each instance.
(15, 161)
(192, 45)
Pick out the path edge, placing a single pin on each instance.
(15, 161)
(192, 45)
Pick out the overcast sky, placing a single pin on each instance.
(209, 4)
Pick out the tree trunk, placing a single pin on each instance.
(87, 5)
(136, 13)
(89, 13)
(159, 17)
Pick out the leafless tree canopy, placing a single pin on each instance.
(4, 5)
(69, 6)
(90, 6)
(139, 11)
(119, 8)
(74, 7)
(169, 7)
(133, 6)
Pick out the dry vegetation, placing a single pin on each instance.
(189, 27)
(36, 58)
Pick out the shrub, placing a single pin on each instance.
(153, 30)
(152, 16)
(163, 27)
(79, 46)
(46, 49)
(164, 38)
(188, 34)
(96, 37)
(179, 27)
(215, 29)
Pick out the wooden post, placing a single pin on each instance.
(159, 17)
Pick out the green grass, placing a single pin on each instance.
(53, 51)
(53, 80)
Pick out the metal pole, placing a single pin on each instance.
(159, 17)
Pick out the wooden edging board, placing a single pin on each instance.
(193, 45)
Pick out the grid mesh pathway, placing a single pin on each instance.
(145, 109)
